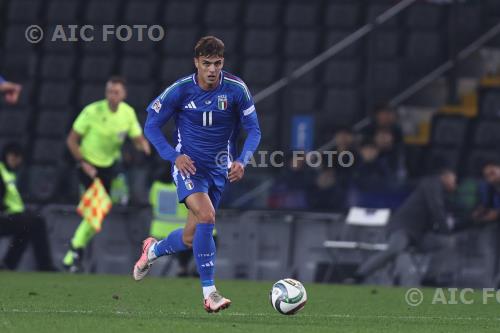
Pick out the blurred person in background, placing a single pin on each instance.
(327, 194)
(370, 171)
(344, 142)
(423, 221)
(389, 152)
(95, 142)
(10, 91)
(385, 118)
(488, 210)
(23, 226)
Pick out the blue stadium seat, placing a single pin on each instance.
(342, 73)
(385, 44)
(261, 42)
(99, 46)
(262, 14)
(54, 94)
(438, 157)
(59, 44)
(52, 124)
(386, 80)
(180, 41)
(13, 122)
(140, 95)
(63, 11)
(292, 64)
(142, 12)
(376, 9)
(449, 131)
(425, 16)
(88, 93)
(300, 100)
(343, 15)
(334, 36)
(259, 71)
(48, 151)
(15, 41)
(489, 101)
(17, 66)
(137, 69)
(181, 13)
(96, 68)
(173, 69)
(140, 48)
(301, 43)
(230, 37)
(486, 134)
(102, 12)
(57, 67)
(300, 14)
(341, 107)
(25, 11)
(222, 13)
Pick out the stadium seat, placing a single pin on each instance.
(142, 12)
(52, 124)
(48, 151)
(173, 9)
(231, 39)
(102, 12)
(439, 157)
(63, 12)
(96, 68)
(57, 43)
(488, 104)
(99, 46)
(386, 80)
(13, 122)
(341, 107)
(15, 41)
(425, 16)
(173, 69)
(88, 93)
(140, 48)
(25, 102)
(259, 71)
(449, 131)
(301, 43)
(261, 42)
(24, 11)
(139, 184)
(42, 183)
(487, 134)
(421, 59)
(56, 67)
(343, 15)
(262, 14)
(385, 44)
(476, 158)
(55, 94)
(140, 95)
(300, 100)
(302, 14)
(269, 104)
(376, 9)
(18, 66)
(137, 69)
(291, 65)
(334, 36)
(222, 13)
(342, 73)
(180, 42)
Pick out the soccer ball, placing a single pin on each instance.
(288, 296)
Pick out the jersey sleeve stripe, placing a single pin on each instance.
(248, 111)
(241, 84)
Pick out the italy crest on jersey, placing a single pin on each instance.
(222, 102)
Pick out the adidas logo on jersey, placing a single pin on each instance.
(191, 105)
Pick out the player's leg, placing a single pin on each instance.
(204, 250)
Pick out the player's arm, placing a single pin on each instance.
(73, 140)
(250, 123)
(135, 134)
(159, 113)
(10, 90)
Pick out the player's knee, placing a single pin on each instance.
(207, 217)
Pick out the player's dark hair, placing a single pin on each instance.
(209, 46)
(118, 79)
(13, 148)
(492, 161)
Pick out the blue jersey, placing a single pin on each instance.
(207, 122)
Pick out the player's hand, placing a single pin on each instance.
(185, 165)
(11, 92)
(236, 172)
(89, 169)
(146, 148)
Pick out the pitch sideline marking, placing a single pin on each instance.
(241, 314)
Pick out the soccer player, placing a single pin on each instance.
(208, 107)
(95, 142)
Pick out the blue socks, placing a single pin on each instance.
(170, 245)
(204, 253)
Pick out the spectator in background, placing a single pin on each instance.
(488, 210)
(391, 154)
(344, 141)
(10, 91)
(385, 118)
(421, 221)
(327, 194)
(370, 171)
(25, 227)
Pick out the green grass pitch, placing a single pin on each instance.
(36, 302)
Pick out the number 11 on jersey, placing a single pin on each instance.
(207, 118)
